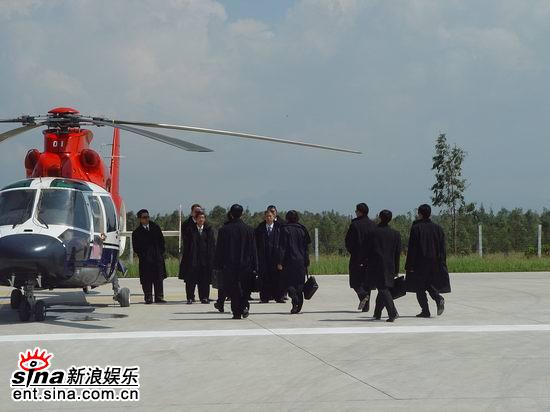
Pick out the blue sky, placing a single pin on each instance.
(383, 77)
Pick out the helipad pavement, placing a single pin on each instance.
(489, 351)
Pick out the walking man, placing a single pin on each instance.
(426, 263)
(236, 257)
(356, 243)
(148, 243)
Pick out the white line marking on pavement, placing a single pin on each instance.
(274, 332)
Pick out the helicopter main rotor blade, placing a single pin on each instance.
(235, 134)
(181, 144)
(19, 130)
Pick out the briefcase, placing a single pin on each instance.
(217, 279)
(399, 288)
(310, 287)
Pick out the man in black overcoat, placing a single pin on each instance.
(222, 296)
(426, 263)
(267, 235)
(148, 243)
(294, 258)
(356, 243)
(198, 259)
(236, 257)
(384, 252)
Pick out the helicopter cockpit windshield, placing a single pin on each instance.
(16, 206)
(63, 207)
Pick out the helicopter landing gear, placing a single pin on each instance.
(28, 305)
(16, 298)
(121, 295)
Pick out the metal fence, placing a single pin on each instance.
(177, 233)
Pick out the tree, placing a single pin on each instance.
(449, 187)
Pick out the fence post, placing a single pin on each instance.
(480, 240)
(539, 241)
(179, 235)
(131, 249)
(316, 245)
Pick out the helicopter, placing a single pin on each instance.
(61, 226)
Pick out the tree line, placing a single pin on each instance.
(504, 231)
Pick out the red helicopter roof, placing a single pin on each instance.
(63, 110)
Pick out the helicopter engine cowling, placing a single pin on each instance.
(90, 159)
(31, 160)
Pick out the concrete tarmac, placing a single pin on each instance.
(490, 350)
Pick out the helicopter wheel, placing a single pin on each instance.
(40, 311)
(16, 298)
(124, 297)
(25, 311)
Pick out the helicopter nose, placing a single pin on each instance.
(31, 254)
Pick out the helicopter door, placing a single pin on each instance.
(98, 221)
(112, 239)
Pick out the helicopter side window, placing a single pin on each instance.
(16, 206)
(97, 215)
(111, 214)
(63, 207)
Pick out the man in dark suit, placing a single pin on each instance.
(198, 259)
(294, 258)
(236, 257)
(356, 243)
(426, 263)
(267, 235)
(148, 243)
(384, 252)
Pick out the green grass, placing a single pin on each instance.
(334, 264)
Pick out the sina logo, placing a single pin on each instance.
(34, 369)
(35, 361)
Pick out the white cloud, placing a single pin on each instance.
(381, 76)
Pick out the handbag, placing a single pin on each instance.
(399, 288)
(310, 287)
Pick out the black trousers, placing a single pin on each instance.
(271, 286)
(201, 281)
(221, 296)
(384, 299)
(423, 299)
(239, 297)
(296, 293)
(148, 284)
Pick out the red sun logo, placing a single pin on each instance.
(36, 360)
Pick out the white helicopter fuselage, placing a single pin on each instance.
(63, 232)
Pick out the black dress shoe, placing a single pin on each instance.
(235, 316)
(377, 316)
(160, 301)
(364, 303)
(189, 301)
(219, 306)
(245, 313)
(392, 318)
(148, 302)
(440, 307)
(264, 301)
(205, 301)
(424, 315)
(294, 309)
(280, 301)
